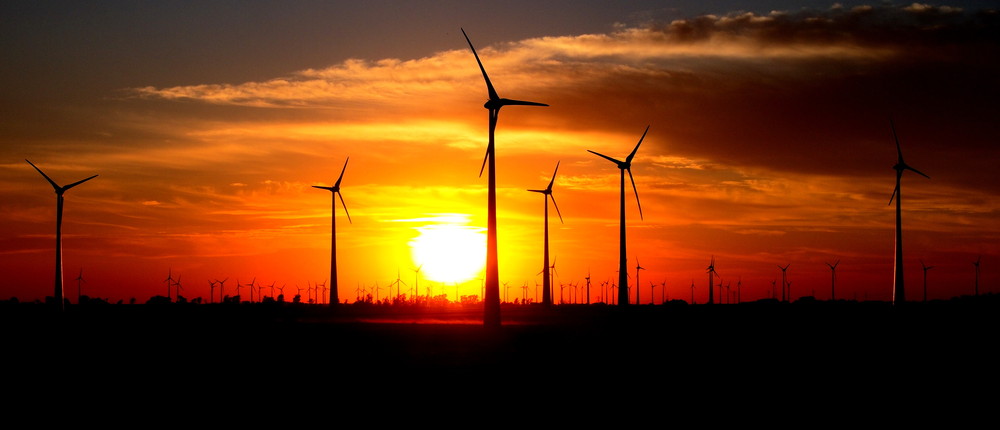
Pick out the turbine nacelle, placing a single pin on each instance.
(335, 189)
(626, 166)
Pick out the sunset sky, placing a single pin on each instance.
(769, 142)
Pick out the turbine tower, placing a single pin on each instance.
(622, 258)
(59, 215)
(335, 192)
(491, 301)
(546, 283)
(898, 292)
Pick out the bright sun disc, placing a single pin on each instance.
(449, 252)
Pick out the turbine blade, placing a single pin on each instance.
(605, 156)
(915, 171)
(899, 151)
(636, 193)
(337, 185)
(323, 188)
(557, 208)
(895, 190)
(509, 102)
(47, 178)
(345, 207)
(489, 85)
(485, 157)
(628, 160)
(92, 177)
(538, 191)
(553, 180)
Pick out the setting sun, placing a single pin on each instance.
(449, 251)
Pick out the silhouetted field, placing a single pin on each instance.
(814, 348)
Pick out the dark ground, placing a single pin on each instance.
(858, 355)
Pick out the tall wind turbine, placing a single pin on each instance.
(622, 258)
(491, 301)
(898, 292)
(833, 279)
(335, 192)
(59, 215)
(546, 283)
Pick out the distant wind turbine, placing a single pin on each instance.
(711, 275)
(80, 281)
(624, 166)
(637, 285)
(784, 283)
(898, 291)
(926, 268)
(833, 279)
(546, 282)
(335, 192)
(491, 301)
(60, 190)
(169, 281)
(975, 263)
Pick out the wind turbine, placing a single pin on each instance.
(926, 268)
(692, 291)
(784, 282)
(80, 280)
(975, 263)
(222, 289)
(711, 279)
(491, 301)
(547, 193)
(60, 190)
(169, 281)
(898, 292)
(622, 258)
(335, 192)
(211, 291)
(833, 280)
(638, 286)
(416, 284)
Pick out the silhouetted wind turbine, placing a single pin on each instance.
(975, 263)
(784, 283)
(692, 291)
(926, 268)
(898, 291)
(169, 281)
(60, 190)
(833, 280)
(491, 301)
(711, 275)
(80, 280)
(638, 286)
(547, 193)
(335, 192)
(622, 258)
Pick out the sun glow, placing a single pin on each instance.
(449, 252)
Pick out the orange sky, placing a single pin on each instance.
(769, 144)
